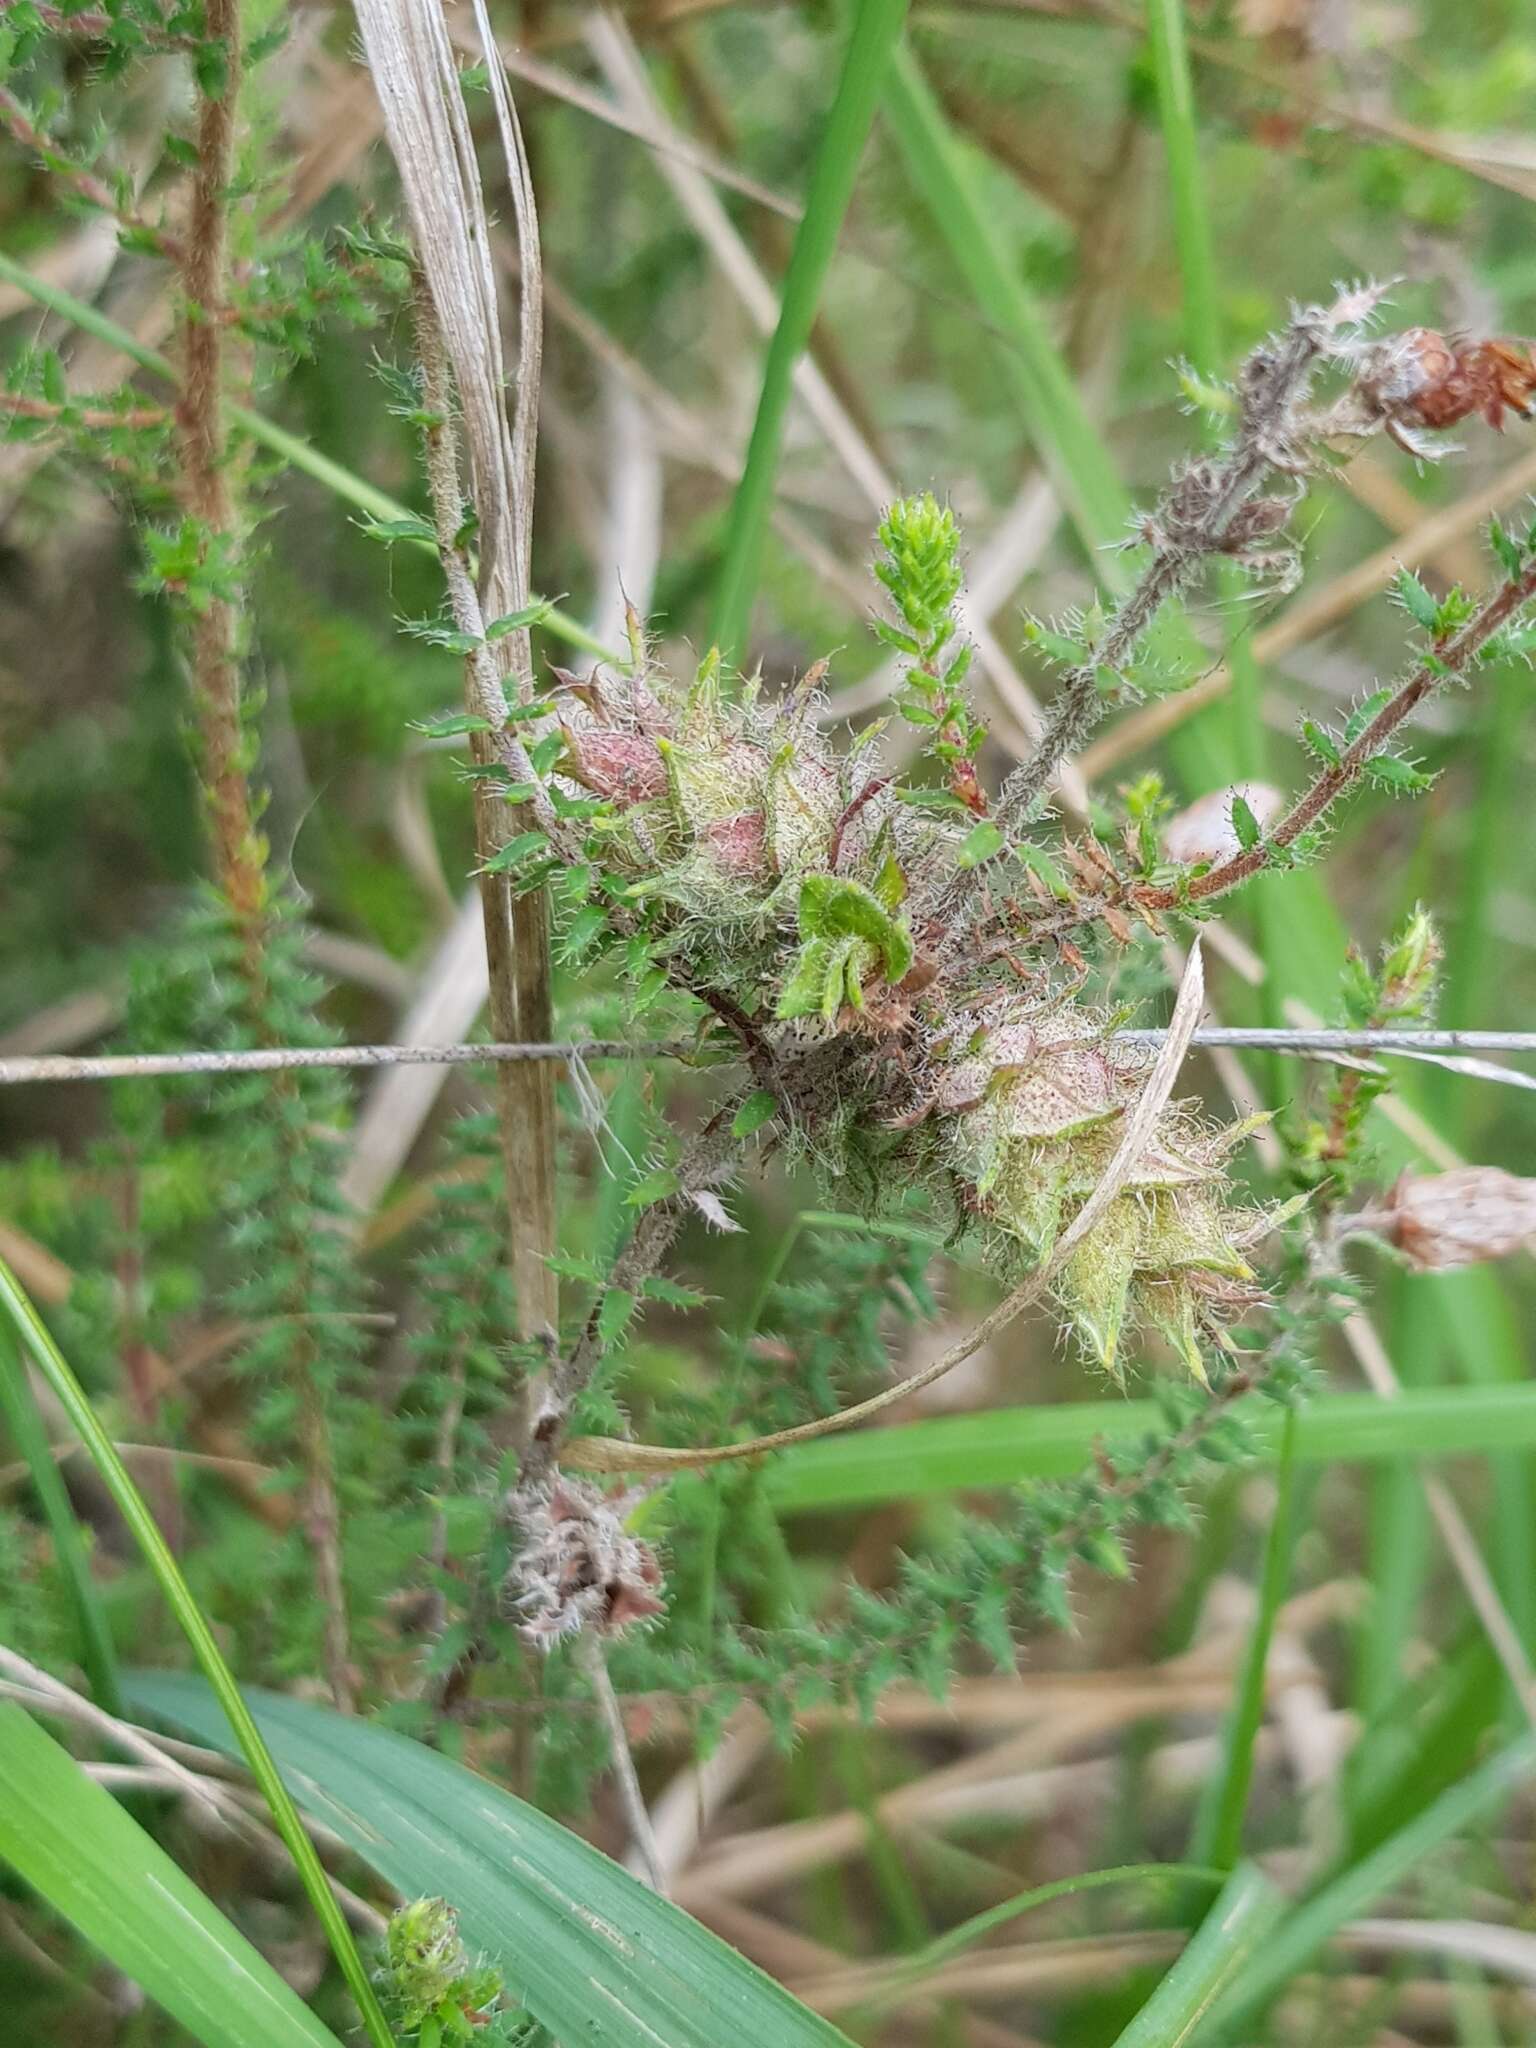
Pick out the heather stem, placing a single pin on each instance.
(204, 458)
(13, 116)
(1078, 705)
(239, 853)
(1453, 658)
(1190, 525)
(703, 1164)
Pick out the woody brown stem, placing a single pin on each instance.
(704, 1161)
(1452, 659)
(1078, 706)
(238, 851)
(204, 460)
(1194, 521)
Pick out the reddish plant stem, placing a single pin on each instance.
(238, 850)
(15, 117)
(1452, 659)
(1341, 1117)
(22, 407)
(205, 491)
(850, 812)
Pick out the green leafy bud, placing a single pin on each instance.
(1410, 965)
(429, 1983)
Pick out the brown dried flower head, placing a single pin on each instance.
(1420, 379)
(1440, 1220)
(579, 1567)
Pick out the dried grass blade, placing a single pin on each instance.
(412, 61)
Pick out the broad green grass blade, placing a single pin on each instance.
(1398, 1539)
(29, 1326)
(1218, 1833)
(1475, 954)
(77, 1848)
(1464, 1320)
(877, 24)
(1477, 2017)
(1242, 1916)
(1358, 1888)
(1477, 1322)
(1465, 1323)
(1427, 1737)
(1475, 1307)
(1049, 402)
(1464, 1316)
(594, 1954)
(1000, 1447)
(19, 1411)
(1186, 184)
(340, 481)
(1432, 1325)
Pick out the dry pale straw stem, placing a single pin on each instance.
(413, 64)
(34, 1069)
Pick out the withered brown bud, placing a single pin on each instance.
(579, 1566)
(1260, 519)
(1440, 1220)
(1410, 364)
(623, 765)
(1420, 379)
(1185, 510)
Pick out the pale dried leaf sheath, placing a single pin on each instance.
(413, 69)
(610, 1454)
(412, 62)
(530, 342)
